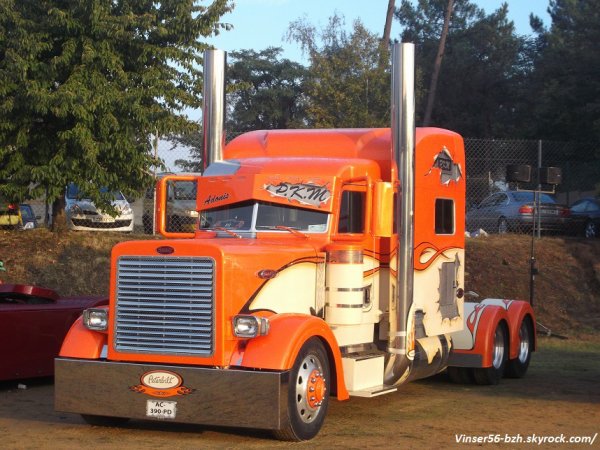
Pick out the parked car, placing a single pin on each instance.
(513, 211)
(585, 217)
(83, 215)
(19, 217)
(10, 216)
(33, 325)
(28, 217)
(182, 215)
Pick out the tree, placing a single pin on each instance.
(566, 88)
(438, 64)
(484, 66)
(346, 84)
(266, 92)
(263, 92)
(84, 85)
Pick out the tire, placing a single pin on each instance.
(492, 375)
(590, 230)
(308, 393)
(460, 375)
(517, 368)
(502, 226)
(104, 421)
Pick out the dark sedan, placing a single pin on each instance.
(585, 216)
(513, 211)
(33, 325)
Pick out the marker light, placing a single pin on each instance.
(95, 319)
(246, 326)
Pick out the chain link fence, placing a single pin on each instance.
(497, 205)
(486, 162)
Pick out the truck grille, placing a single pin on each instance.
(165, 305)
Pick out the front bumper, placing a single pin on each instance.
(224, 397)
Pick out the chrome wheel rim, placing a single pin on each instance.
(502, 226)
(498, 354)
(523, 343)
(310, 388)
(590, 230)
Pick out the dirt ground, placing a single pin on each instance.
(560, 396)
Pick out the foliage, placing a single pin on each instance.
(266, 91)
(85, 84)
(566, 84)
(346, 84)
(484, 64)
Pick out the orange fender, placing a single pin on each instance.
(82, 343)
(483, 329)
(280, 347)
(517, 311)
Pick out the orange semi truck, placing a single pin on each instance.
(325, 263)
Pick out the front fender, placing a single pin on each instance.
(82, 343)
(280, 347)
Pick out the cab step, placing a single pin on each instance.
(363, 374)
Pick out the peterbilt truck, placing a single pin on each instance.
(324, 264)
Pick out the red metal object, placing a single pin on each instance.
(33, 324)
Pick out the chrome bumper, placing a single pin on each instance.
(237, 398)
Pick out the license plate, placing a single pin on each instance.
(161, 409)
(103, 219)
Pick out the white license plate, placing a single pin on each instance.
(103, 219)
(161, 409)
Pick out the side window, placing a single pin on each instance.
(579, 206)
(352, 212)
(501, 199)
(444, 216)
(488, 201)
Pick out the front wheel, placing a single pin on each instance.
(517, 368)
(493, 374)
(308, 393)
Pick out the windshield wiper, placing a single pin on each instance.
(283, 228)
(228, 231)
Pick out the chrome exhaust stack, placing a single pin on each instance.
(213, 109)
(403, 146)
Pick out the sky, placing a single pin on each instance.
(258, 24)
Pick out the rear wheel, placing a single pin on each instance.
(517, 368)
(502, 226)
(308, 394)
(591, 230)
(493, 374)
(104, 421)
(460, 375)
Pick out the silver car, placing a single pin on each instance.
(513, 211)
(82, 214)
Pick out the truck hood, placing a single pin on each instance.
(277, 275)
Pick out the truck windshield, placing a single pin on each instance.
(260, 216)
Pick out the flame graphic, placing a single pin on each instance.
(434, 252)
